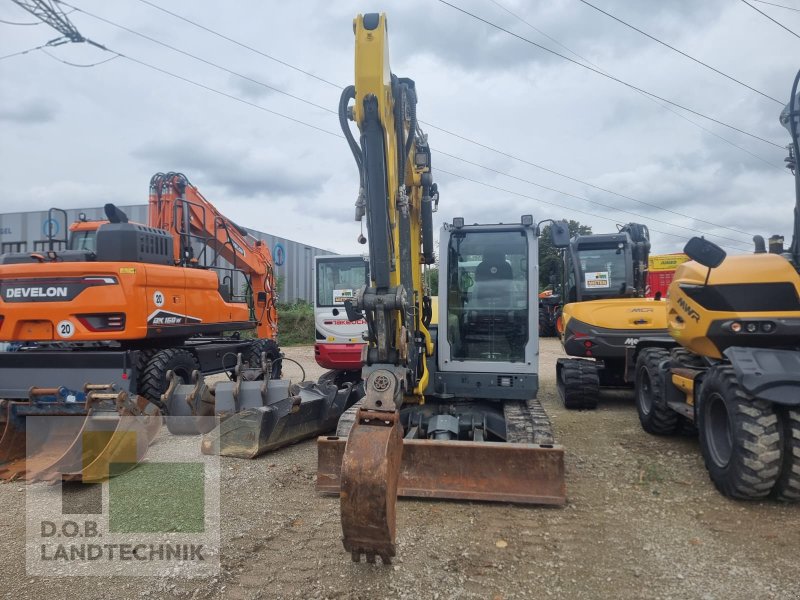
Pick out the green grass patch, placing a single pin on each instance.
(295, 324)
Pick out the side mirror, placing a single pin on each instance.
(704, 252)
(559, 234)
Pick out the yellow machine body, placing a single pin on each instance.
(756, 286)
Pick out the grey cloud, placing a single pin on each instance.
(236, 170)
(32, 112)
(249, 89)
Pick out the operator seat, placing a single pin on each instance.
(493, 267)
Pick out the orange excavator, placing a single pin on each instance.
(98, 326)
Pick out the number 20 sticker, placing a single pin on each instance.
(158, 298)
(65, 329)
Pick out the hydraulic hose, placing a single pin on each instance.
(349, 93)
(794, 114)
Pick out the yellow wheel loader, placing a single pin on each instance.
(732, 365)
(605, 281)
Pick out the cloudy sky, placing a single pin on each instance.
(272, 160)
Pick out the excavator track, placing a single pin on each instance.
(527, 423)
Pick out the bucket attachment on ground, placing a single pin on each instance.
(87, 435)
(254, 414)
(488, 471)
(260, 416)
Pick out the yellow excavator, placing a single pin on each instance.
(605, 283)
(450, 408)
(732, 365)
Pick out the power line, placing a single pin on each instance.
(21, 52)
(778, 23)
(72, 64)
(583, 198)
(571, 209)
(198, 58)
(681, 52)
(240, 44)
(298, 98)
(339, 87)
(23, 24)
(778, 5)
(643, 95)
(469, 140)
(337, 135)
(611, 77)
(322, 130)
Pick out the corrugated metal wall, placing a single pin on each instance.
(27, 232)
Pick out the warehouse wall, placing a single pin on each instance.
(27, 232)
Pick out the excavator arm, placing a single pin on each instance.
(204, 237)
(396, 196)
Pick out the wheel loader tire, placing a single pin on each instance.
(273, 352)
(578, 383)
(682, 358)
(654, 414)
(740, 437)
(788, 487)
(153, 381)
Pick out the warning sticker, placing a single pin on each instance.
(339, 296)
(597, 279)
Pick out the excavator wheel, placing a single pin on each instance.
(153, 378)
(682, 358)
(740, 437)
(654, 414)
(273, 352)
(578, 383)
(788, 487)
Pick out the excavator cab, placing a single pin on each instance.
(610, 265)
(488, 292)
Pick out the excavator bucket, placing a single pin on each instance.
(254, 414)
(258, 416)
(370, 466)
(88, 436)
(486, 471)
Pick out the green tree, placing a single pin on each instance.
(432, 279)
(550, 261)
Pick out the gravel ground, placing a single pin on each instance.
(643, 521)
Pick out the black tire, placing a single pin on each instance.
(682, 358)
(787, 489)
(654, 414)
(272, 351)
(740, 437)
(579, 384)
(153, 379)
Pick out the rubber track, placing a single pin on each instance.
(580, 387)
(527, 422)
(347, 419)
